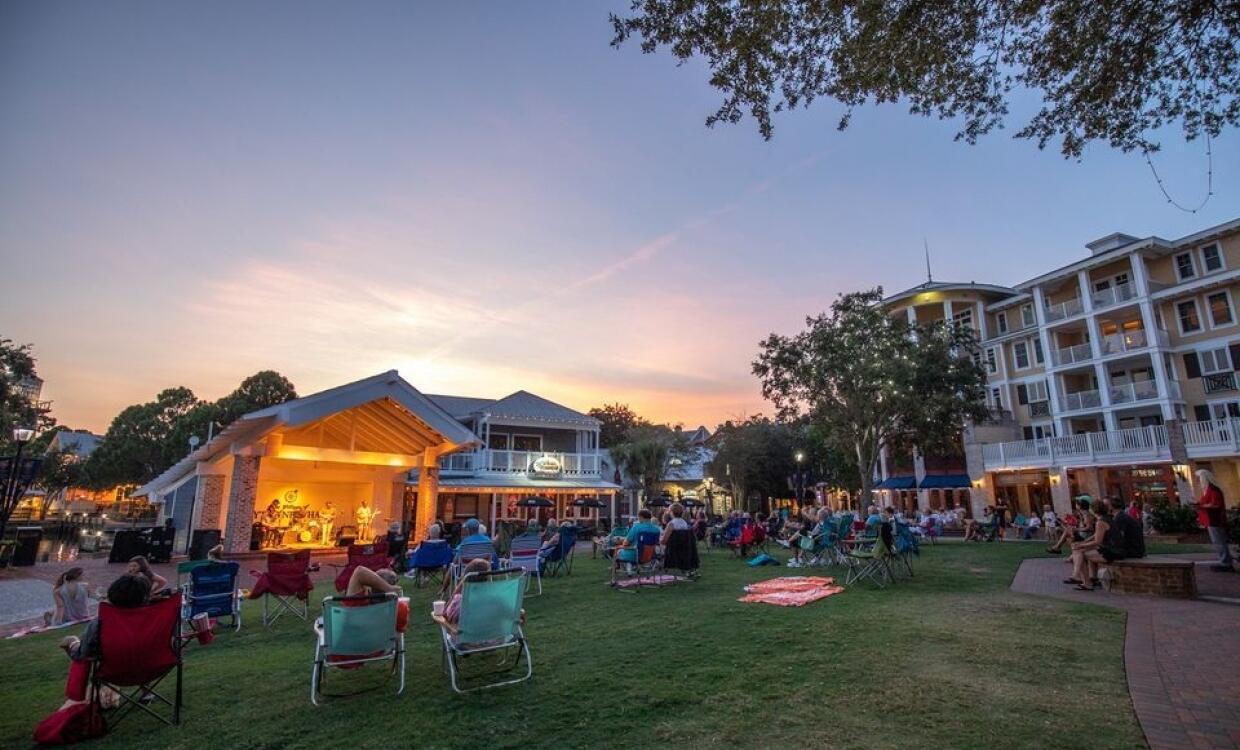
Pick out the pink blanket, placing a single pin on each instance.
(791, 591)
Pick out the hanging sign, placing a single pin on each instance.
(546, 466)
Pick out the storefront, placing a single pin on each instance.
(1153, 483)
(1023, 492)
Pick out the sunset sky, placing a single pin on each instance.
(484, 196)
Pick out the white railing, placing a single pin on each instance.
(522, 462)
(1212, 437)
(1072, 354)
(1080, 400)
(1063, 309)
(1114, 295)
(1136, 444)
(1124, 341)
(1142, 390)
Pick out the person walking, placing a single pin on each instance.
(1212, 514)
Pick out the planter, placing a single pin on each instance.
(1192, 537)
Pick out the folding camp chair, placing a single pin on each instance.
(906, 547)
(823, 544)
(873, 564)
(287, 581)
(373, 556)
(561, 558)
(644, 565)
(463, 555)
(429, 561)
(743, 541)
(138, 648)
(523, 555)
(353, 631)
(212, 589)
(932, 530)
(682, 553)
(489, 623)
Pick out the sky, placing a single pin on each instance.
(484, 196)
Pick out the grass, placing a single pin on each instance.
(950, 658)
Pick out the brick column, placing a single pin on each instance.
(428, 495)
(241, 496)
(210, 500)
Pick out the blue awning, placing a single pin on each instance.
(897, 483)
(946, 482)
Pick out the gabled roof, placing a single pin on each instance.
(522, 405)
(692, 466)
(80, 444)
(699, 436)
(461, 407)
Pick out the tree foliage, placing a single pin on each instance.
(865, 379)
(754, 457)
(1111, 71)
(17, 363)
(647, 453)
(616, 421)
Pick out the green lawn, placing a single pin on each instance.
(950, 658)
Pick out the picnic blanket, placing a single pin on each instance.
(34, 629)
(791, 591)
(659, 580)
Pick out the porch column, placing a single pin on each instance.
(1061, 492)
(209, 499)
(428, 494)
(241, 496)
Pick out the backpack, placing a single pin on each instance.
(75, 723)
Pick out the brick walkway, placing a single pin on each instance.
(1182, 657)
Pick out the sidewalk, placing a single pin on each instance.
(1181, 656)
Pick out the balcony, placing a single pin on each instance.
(1039, 408)
(1113, 295)
(1063, 310)
(1202, 440)
(1219, 382)
(1126, 393)
(1072, 355)
(542, 464)
(1080, 400)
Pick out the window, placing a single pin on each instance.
(1026, 315)
(1211, 258)
(1039, 432)
(992, 361)
(1184, 268)
(527, 442)
(1214, 360)
(1190, 319)
(1038, 356)
(1001, 322)
(996, 398)
(1037, 390)
(1219, 305)
(1225, 409)
(1020, 354)
(964, 318)
(498, 441)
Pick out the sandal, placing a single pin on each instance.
(1083, 587)
(1071, 581)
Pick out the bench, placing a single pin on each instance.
(1173, 579)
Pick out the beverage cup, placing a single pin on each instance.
(201, 625)
(438, 606)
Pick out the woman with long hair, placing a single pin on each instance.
(1212, 514)
(138, 565)
(70, 598)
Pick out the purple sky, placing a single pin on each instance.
(486, 198)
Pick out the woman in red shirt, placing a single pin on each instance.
(1212, 514)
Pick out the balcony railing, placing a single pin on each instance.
(1125, 393)
(1219, 381)
(1039, 408)
(1081, 400)
(1113, 295)
(546, 463)
(1072, 354)
(1063, 310)
(1208, 439)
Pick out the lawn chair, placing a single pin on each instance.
(287, 581)
(906, 547)
(138, 648)
(990, 531)
(682, 553)
(823, 545)
(465, 553)
(354, 631)
(873, 564)
(843, 529)
(561, 558)
(742, 542)
(489, 623)
(932, 530)
(212, 589)
(614, 539)
(523, 555)
(645, 565)
(429, 561)
(373, 556)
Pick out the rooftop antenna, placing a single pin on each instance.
(929, 276)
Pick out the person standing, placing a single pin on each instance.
(1212, 514)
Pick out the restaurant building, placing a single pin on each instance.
(1115, 375)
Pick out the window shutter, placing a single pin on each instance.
(1192, 365)
(1234, 350)
(1202, 412)
(1022, 394)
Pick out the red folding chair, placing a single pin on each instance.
(138, 648)
(287, 581)
(373, 556)
(741, 544)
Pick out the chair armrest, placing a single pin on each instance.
(443, 623)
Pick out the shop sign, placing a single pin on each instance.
(546, 466)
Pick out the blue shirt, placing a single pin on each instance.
(629, 553)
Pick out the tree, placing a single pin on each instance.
(1112, 71)
(136, 446)
(260, 390)
(616, 421)
(867, 379)
(754, 455)
(17, 409)
(61, 470)
(647, 453)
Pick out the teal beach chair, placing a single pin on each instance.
(489, 624)
(354, 631)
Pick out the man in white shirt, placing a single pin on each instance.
(1031, 526)
(1049, 520)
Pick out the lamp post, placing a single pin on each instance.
(13, 484)
(800, 457)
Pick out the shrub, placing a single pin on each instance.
(1173, 519)
(1233, 523)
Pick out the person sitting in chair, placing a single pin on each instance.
(365, 581)
(676, 522)
(628, 553)
(129, 591)
(551, 541)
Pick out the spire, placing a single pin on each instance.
(929, 276)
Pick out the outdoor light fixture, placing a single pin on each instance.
(1180, 470)
(22, 434)
(800, 456)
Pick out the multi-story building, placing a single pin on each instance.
(1114, 375)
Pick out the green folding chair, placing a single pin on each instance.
(354, 631)
(489, 624)
(873, 564)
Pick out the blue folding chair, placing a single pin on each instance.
(643, 566)
(429, 560)
(906, 546)
(212, 589)
(466, 553)
(561, 558)
(354, 631)
(523, 555)
(489, 623)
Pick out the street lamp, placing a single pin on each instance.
(800, 456)
(14, 482)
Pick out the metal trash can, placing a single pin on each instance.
(26, 551)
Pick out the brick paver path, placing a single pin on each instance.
(1182, 657)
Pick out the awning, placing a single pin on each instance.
(946, 482)
(897, 483)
